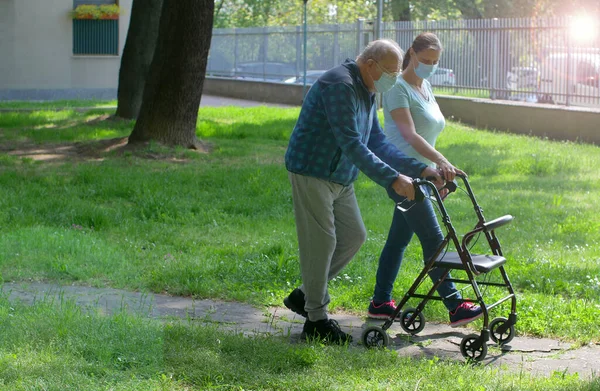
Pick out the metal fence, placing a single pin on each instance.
(550, 60)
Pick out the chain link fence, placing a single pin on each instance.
(551, 60)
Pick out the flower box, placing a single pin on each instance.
(96, 12)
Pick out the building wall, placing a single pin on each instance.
(36, 53)
(7, 12)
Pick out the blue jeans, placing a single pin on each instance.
(420, 219)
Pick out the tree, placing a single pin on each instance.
(469, 9)
(173, 90)
(400, 10)
(259, 13)
(137, 56)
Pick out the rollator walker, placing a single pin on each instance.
(501, 330)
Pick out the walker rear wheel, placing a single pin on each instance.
(412, 322)
(375, 337)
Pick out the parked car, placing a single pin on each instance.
(443, 77)
(264, 71)
(519, 78)
(579, 76)
(311, 77)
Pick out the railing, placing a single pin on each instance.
(534, 60)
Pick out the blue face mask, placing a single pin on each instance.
(385, 82)
(424, 71)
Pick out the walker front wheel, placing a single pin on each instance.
(499, 333)
(375, 337)
(412, 321)
(473, 347)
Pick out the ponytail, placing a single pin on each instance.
(406, 60)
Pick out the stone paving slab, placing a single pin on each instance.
(540, 356)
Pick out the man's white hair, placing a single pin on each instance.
(379, 49)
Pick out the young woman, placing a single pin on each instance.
(413, 121)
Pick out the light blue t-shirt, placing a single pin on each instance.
(426, 115)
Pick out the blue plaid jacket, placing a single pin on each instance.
(338, 133)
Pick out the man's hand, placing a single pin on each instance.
(403, 186)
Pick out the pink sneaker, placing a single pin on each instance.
(465, 313)
(381, 311)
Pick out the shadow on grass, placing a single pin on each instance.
(95, 135)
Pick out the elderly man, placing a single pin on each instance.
(336, 135)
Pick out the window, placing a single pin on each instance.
(95, 36)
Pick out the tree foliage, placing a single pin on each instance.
(250, 13)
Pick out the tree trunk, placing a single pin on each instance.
(401, 10)
(173, 90)
(137, 56)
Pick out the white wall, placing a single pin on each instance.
(7, 11)
(36, 49)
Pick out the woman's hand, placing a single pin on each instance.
(447, 170)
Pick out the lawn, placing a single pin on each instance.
(220, 225)
(56, 346)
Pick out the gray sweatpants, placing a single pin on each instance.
(330, 232)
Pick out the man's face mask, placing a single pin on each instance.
(386, 81)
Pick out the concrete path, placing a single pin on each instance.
(215, 101)
(533, 355)
(207, 101)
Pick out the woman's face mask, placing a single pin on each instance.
(424, 71)
(386, 81)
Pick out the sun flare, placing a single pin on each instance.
(584, 28)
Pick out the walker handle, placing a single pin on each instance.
(450, 185)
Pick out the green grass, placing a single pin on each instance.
(57, 346)
(482, 94)
(50, 126)
(55, 104)
(220, 225)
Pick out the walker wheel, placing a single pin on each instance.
(501, 338)
(412, 322)
(470, 350)
(375, 337)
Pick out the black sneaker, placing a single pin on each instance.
(295, 302)
(381, 310)
(326, 330)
